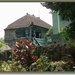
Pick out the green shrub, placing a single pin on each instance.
(44, 64)
(12, 66)
(1, 45)
(57, 66)
(40, 65)
(54, 52)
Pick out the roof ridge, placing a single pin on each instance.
(26, 21)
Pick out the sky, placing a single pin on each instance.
(12, 11)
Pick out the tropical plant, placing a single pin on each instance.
(1, 45)
(44, 64)
(12, 66)
(50, 31)
(24, 52)
(41, 64)
(59, 66)
(68, 35)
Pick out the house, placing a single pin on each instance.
(28, 26)
(58, 24)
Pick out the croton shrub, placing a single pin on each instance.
(27, 57)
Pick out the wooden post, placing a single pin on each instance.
(30, 31)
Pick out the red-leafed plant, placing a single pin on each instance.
(23, 51)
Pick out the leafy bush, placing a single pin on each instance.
(24, 52)
(40, 65)
(13, 66)
(1, 45)
(71, 55)
(68, 35)
(50, 31)
(44, 64)
(54, 52)
(27, 57)
(59, 66)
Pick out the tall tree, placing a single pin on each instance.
(66, 9)
(67, 12)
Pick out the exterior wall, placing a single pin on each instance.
(58, 24)
(57, 38)
(10, 34)
(55, 23)
(10, 37)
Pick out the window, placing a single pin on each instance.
(20, 33)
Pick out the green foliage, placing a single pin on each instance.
(60, 66)
(1, 40)
(12, 66)
(41, 64)
(65, 9)
(50, 31)
(66, 12)
(68, 34)
(57, 66)
(54, 52)
(1, 52)
(70, 30)
(64, 34)
(26, 57)
(44, 64)
(1, 45)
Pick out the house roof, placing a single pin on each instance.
(26, 21)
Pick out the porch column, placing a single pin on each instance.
(58, 17)
(30, 31)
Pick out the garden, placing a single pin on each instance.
(26, 57)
